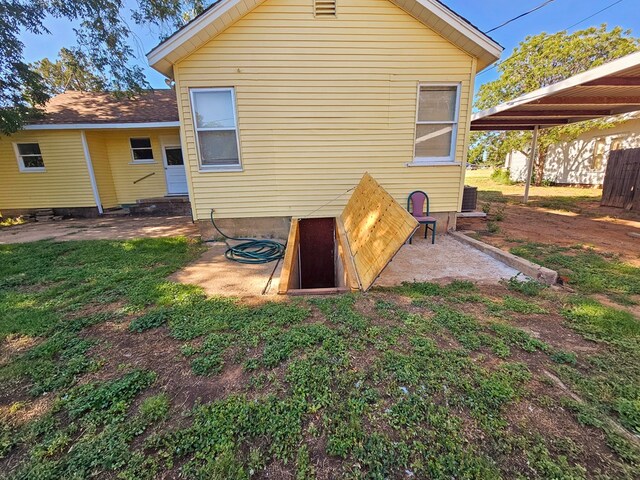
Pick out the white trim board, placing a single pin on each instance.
(100, 126)
(92, 175)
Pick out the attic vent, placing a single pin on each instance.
(324, 8)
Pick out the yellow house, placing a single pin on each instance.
(92, 153)
(284, 104)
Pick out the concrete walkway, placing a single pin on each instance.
(106, 228)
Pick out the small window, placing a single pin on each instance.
(437, 123)
(29, 157)
(216, 128)
(141, 151)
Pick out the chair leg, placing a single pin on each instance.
(433, 234)
(426, 229)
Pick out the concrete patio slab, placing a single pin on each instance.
(447, 260)
(110, 228)
(219, 276)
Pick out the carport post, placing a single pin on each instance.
(532, 156)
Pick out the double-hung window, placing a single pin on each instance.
(29, 157)
(141, 151)
(437, 123)
(216, 128)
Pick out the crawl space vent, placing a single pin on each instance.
(324, 8)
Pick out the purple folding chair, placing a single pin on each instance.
(415, 206)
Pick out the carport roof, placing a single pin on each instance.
(609, 89)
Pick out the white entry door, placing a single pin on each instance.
(174, 170)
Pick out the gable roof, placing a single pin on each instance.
(223, 13)
(97, 108)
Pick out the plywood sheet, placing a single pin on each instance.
(376, 226)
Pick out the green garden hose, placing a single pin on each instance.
(251, 250)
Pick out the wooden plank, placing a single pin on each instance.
(347, 257)
(288, 265)
(376, 226)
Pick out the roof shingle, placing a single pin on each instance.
(102, 108)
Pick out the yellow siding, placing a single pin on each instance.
(321, 101)
(65, 183)
(102, 169)
(124, 172)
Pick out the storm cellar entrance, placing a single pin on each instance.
(347, 252)
(317, 263)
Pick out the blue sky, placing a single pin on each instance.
(485, 14)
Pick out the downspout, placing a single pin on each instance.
(92, 176)
(532, 156)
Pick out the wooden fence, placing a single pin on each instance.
(621, 187)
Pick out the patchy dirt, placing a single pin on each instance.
(632, 309)
(14, 345)
(547, 327)
(559, 425)
(156, 350)
(599, 227)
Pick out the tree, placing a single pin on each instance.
(539, 61)
(103, 35)
(71, 71)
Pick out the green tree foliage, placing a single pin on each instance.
(103, 34)
(539, 61)
(71, 71)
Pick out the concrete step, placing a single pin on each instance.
(167, 199)
(161, 208)
(117, 212)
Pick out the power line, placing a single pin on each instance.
(569, 27)
(520, 16)
(593, 15)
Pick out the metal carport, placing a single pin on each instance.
(607, 90)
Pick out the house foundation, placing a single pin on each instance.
(278, 227)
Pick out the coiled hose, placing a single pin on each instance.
(251, 250)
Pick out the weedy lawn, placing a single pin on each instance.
(108, 370)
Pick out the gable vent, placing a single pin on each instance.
(324, 8)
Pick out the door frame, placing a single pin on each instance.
(171, 143)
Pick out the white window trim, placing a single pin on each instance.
(437, 161)
(146, 161)
(21, 165)
(216, 168)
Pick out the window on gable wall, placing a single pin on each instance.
(437, 123)
(29, 157)
(216, 129)
(141, 151)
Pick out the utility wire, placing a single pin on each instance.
(569, 27)
(520, 16)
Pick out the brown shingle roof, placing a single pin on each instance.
(99, 108)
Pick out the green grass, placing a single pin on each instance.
(424, 380)
(502, 176)
(494, 187)
(587, 270)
